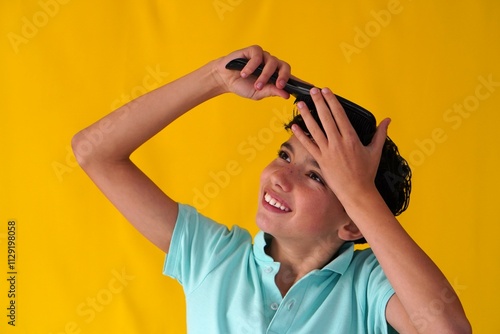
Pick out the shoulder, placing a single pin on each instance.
(365, 268)
(194, 225)
(200, 244)
(364, 258)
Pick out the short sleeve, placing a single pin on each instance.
(373, 292)
(198, 246)
(379, 291)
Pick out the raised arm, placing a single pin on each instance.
(349, 169)
(147, 207)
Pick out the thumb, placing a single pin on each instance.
(380, 135)
(270, 89)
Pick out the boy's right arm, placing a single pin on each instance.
(143, 203)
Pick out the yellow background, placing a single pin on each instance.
(64, 64)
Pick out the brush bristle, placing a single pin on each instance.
(362, 120)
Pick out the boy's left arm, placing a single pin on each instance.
(418, 283)
(349, 169)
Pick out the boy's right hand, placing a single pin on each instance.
(243, 83)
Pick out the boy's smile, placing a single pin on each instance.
(272, 202)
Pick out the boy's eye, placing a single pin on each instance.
(283, 155)
(315, 177)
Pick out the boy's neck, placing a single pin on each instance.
(298, 261)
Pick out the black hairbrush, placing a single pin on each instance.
(362, 120)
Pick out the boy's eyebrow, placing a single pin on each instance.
(289, 147)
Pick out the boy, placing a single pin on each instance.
(301, 274)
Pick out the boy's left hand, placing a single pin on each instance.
(348, 167)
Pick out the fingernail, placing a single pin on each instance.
(301, 104)
(282, 83)
(314, 90)
(325, 90)
(243, 74)
(259, 85)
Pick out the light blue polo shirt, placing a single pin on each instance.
(229, 285)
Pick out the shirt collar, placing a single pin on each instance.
(259, 245)
(339, 264)
(342, 259)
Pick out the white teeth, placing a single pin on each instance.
(275, 203)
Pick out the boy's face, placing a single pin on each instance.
(295, 204)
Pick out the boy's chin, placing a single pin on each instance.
(264, 222)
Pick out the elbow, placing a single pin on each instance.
(83, 149)
(457, 325)
(92, 150)
(450, 323)
(464, 327)
(76, 146)
(460, 329)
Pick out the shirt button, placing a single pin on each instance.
(274, 306)
(268, 270)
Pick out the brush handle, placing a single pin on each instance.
(295, 87)
(292, 86)
(362, 120)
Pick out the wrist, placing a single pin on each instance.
(217, 82)
(364, 202)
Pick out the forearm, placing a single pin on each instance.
(128, 127)
(417, 281)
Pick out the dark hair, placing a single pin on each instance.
(393, 179)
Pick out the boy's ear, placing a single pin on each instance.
(349, 232)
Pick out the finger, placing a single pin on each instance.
(255, 56)
(378, 141)
(316, 133)
(275, 91)
(284, 71)
(273, 65)
(343, 124)
(325, 115)
(272, 90)
(304, 139)
(270, 66)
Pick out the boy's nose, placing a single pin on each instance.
(283, 178)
